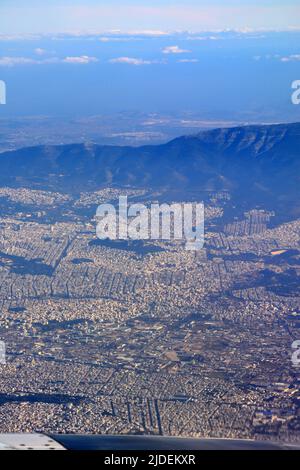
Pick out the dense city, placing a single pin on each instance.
(146, 337)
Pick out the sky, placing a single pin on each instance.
(219, 59)
(49, 16)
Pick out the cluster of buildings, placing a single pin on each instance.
(125, 339)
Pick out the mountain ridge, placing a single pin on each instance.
(242, 159)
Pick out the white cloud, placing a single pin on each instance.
(204, 38)
(103, 35)
(83, 59)
(109, 35)
(291, 58)
(20, 37)
(148, 32)
(117, 39)
(188, 61)
(175, 50)
(132, 61)
(40, 51)
(13, 61)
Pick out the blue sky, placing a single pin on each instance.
(235, 58)
(219, 74)
(35, 16)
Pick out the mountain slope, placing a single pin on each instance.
(257, 160)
